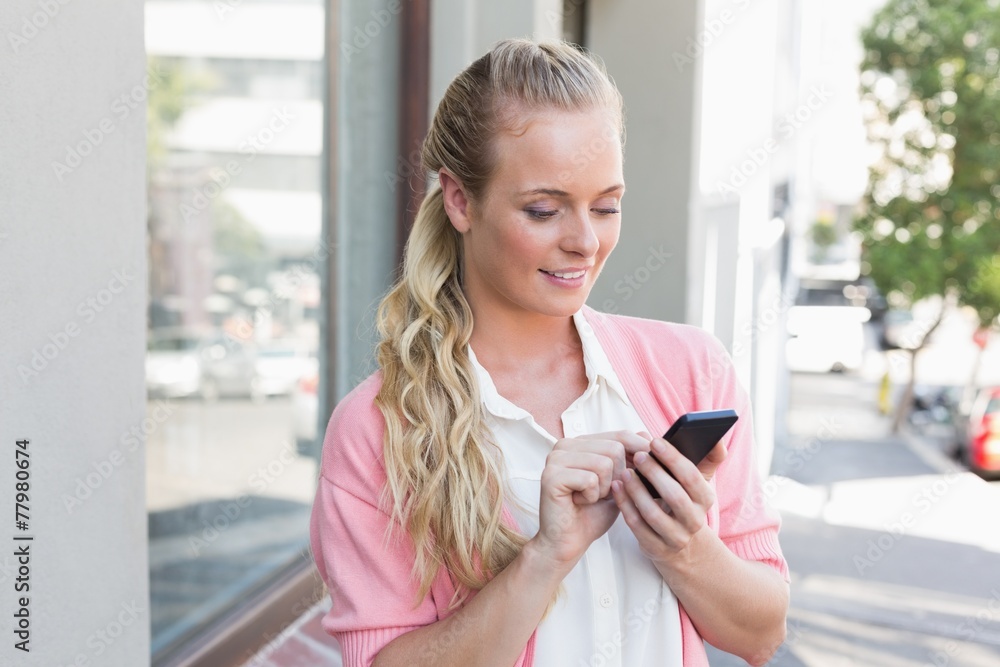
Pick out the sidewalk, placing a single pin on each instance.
(303, 644)
(894, 551)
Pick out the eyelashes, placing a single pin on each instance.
(546, 214)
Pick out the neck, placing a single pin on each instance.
(515, 340)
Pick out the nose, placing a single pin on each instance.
(579, 236)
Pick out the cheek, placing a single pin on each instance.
(523, 247)
(609, 239)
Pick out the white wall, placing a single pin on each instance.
(744, 140)
(73, 286)
(463, 30)
(640, 42)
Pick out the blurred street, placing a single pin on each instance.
(894, 550)
(228, 498)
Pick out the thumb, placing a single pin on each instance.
(713, 460)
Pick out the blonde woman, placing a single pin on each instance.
(477, 503)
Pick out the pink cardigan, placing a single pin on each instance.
(667, 369)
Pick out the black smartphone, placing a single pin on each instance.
(694, 435)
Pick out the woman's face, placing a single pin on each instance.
(550, 215)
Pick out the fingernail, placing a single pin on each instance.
(640, 457)
(616, 487)
(627, 475)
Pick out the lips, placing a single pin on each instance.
(568, 274)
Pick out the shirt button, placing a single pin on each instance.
(606, 600)
(578, 425)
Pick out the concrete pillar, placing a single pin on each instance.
(699, 84)
(73, 295)
(643, 45)
(743, 145)
(361, 229)
(463, 30)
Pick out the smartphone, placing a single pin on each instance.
(694, 435)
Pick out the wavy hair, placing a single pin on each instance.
(444, 471)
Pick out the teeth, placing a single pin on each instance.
(566, 276)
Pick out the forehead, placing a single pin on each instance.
(565, 149)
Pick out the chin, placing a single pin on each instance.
(562, 308)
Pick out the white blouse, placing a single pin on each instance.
(616, 610)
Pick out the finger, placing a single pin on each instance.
(676, 503)
(633, 518)
(688, 475)
(633, 442)
(561, 482)
(613, 449)
(713, 460)
(669, 489)
(658, 524)
(636, 442)
(601, 464)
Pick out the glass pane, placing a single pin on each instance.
(235, 134)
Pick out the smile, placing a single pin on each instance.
(565, 276)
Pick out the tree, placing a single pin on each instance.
(930, 217)
(164, 106)
(238, 245)
(824, 235)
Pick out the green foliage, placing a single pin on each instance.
(164, 106)
(238, 246)
(824, 234)
(233, 235)
(172, 93)
(984, 295)
(930, 217)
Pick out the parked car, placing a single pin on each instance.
(173, 363)
(826, 326)
(825, 339)
(935, 406)
(979, 435)
(200, 364)
(280, 364)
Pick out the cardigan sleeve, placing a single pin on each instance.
(747, 523)
(368, 579)
(374, 597)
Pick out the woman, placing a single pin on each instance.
(477, 503)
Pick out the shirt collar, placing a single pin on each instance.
(492, 400)
(598, 367)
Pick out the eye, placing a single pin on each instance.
(540, 214)
(607, 211)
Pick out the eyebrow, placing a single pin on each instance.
(562, 193)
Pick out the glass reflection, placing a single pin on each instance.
(235, 133)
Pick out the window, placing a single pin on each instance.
(232, 366)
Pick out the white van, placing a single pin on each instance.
(826, 327)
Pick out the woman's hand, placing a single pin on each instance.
(665, 527)
(575, 506)
(737, 605)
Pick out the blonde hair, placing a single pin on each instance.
(444, 471)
